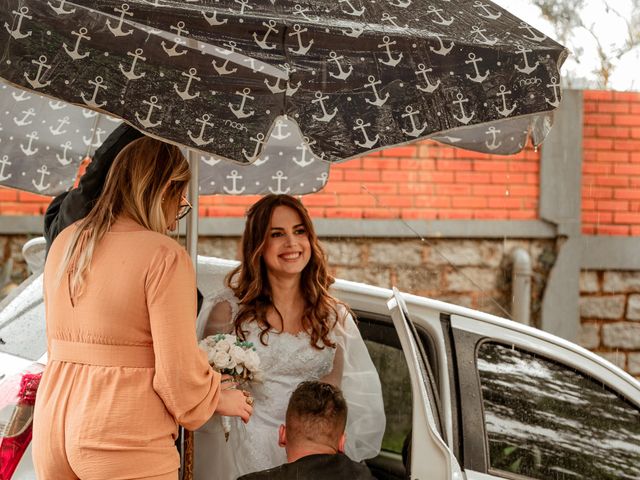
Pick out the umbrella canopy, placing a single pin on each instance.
(349, 76)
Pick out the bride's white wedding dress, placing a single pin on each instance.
(286, 361)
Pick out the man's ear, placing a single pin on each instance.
(282, 436)
(341, 443)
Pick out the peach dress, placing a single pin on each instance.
(124, 368)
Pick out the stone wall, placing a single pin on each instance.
(610, 313)
(13, 268)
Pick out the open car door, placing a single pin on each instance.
(430, 455)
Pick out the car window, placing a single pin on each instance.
(547, 421)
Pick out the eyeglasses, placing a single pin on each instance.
(184, 208)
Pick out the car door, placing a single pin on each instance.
(534, 406)
(430, 455)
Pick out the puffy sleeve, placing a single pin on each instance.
(183, 378)
(218, 313)
(356, 375)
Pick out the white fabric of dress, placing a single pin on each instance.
(286, 361)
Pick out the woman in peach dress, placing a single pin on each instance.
(124, 369)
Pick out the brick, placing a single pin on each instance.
(609, 307)
(472, 177)
(316, 212)
(8, 195)
(589, 282)
(33, 198)
(524, 191)
(597, 144)
(400, 176)
(240, 200)
(418, 214)
(613, 107)
(627, 194)
(588, 204)
(509, 178)
(356, 200)
(598, 119)
(362, 175)
(395, 200)
(381, 213)
(490, 190)
(409, 151)
(597, 217)
(380, 163)
(418, 188)
(621, 335)
(589, 335)
(320, 199)
(225, 211)
(613, 205)
(612, 181)
(626, 218)
(629, 145)
(621, 282)
(343, 213)
(612, 230)
(436, 177)
(453, 165)
(524, 167)
(469, 202)
(626, 97)
(505, 202)
(588, 229)
(453, 189)
(590, 107)
(417, 164)
(343, 187)
(627, 120)
(456, 214)
(430, 201)
(635, 108)
(490, 166)
(634, 133)
(491, 214)
(614, 132)
(21, 209)
(598, 95)
(380, 187)
(523, 214)
(612, 156)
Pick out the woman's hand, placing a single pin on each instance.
(234, 402)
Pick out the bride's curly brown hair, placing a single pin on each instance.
(251, 286)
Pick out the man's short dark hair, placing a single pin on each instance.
(317, 412)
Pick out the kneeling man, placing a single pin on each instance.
(314, 438)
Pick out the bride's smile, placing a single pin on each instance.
(287, 249)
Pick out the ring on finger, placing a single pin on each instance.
(249, 400)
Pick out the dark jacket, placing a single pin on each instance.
(316, 467)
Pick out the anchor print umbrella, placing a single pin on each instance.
(348, 76)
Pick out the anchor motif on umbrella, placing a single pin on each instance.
(262, 42)
(475, 60)
(42, 63)
(300, 10)
(481, 38)
(252, 64)
(342, 75)
(442, 50)
(493, 131)
(302, 49)
(75, 53)
(461, 101)
(260, 161)
(415, 131)
(423, 70)
(555, 85)
(534, 36)
(368, 142)
(304, 148)
(98, 83)
(199, 140)
(130, 74)
(210, 160)
(60, 8)
(326, 117)
(97, 136)
(64, 160)
(29, 150)
(441, 20)
(239, 111)
(527, 69)
(259, 139)
(400, 3)
(386, 17)
(118, 31)
(57, 105)
(61, 123)
(378, 101)
(23, 121)
(243, 4)
(279, 135)
(22, 97)
(354, 31)
(41, 186)
(86, 113)
(213, 19)
(234, 177)
(392, 62)
(16, 33)
(504, 111)
(353, 12)
(184, 94)
(487, 13)
(3, 164)
(222, 70)
(279, 177)
(146, 122)
(173, 51)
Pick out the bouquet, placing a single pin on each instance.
(229, 355)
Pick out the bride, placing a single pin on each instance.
(278, 299)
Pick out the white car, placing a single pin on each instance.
(467, 394)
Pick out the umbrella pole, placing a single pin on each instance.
(192, 248)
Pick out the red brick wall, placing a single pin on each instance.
(611, 163)
(431, 181)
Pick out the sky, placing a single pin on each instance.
(608, 27)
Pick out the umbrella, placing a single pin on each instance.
(349, 76)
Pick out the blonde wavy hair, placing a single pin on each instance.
(145, 175)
